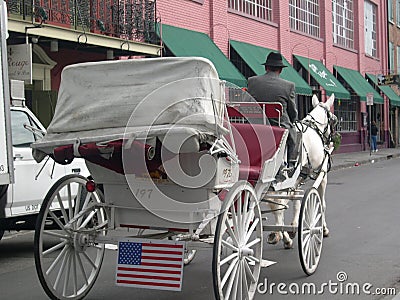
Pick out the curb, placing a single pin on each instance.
(362, 161)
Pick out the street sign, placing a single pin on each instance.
(370, 99)
(388, 79)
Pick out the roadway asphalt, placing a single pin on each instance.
(354, 159)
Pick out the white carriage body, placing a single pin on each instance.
(177, 101)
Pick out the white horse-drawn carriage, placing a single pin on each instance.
(176, 163)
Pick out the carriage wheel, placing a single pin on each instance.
(238, 245)
(310, 231)
(67, 257)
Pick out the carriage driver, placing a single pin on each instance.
(271, 88)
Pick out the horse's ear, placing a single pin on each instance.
(330, 100)
(315, 100)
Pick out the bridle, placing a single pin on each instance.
(328, 128)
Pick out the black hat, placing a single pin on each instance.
(274, 60)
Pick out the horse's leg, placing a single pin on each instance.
(321, 190)
(275, 236)
(296, 213)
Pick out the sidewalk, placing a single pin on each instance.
(346, 160)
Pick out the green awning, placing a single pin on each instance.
(324, 77)
(254, 56)
(387, 90)
(358, 83)
(184, 42)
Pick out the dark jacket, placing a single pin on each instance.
(374, 129)
(271, 88)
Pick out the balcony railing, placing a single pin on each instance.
(133, 20)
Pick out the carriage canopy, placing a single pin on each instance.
(101, 101)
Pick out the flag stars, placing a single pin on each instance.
(130, 253)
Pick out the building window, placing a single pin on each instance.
(304, 16)
(398, 13)
(390, 10)
(343, 23)
(260, 9)
(398, 59)
(346, 112)
(370, 28)
(391, 58)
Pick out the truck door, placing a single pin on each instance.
(32, 179)
(6, 161)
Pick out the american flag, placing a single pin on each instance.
(150, 264)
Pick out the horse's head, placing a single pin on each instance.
(322, 116)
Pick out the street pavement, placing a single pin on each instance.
(354, 159)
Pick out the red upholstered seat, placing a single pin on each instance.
(255, 143)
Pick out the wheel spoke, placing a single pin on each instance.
(61, 270)
(54, 248)
(87, 220)
(229, 258)
(230, 284)
(78, 199)
(85, 204)
(57, 220)
(89, 260)
(250, 215)
(253, 242)
(249, 233)
(245, 213)
(239, 216)
(235, 285)
(55, 234)
(74, 275)
(231, 233)
(244, 280)
(316, 220)
(55, 262)
(229, 271)
(62, 208)
(230, 246)
(66, 278)
(252, 258)
(248, 272)
(80, 264)
(70, 201)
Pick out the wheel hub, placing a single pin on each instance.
(81, 241)
(316, 231)
(245, 252)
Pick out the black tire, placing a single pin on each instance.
(69, 246)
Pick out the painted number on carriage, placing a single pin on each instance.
(2, 168)
(143, 193)
(226, 174)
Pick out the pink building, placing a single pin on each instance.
(347, 37)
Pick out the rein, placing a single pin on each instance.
(312, 123)
(326, 139)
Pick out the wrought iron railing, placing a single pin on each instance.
(128, 19)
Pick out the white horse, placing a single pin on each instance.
(316, 130)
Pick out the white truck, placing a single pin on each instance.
(24, 183)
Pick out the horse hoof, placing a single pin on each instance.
(326, 232)
(273, 238)
(292, 234)
(288, 245)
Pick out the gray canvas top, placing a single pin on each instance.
(101, 101)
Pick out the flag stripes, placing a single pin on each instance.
(147, 264)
